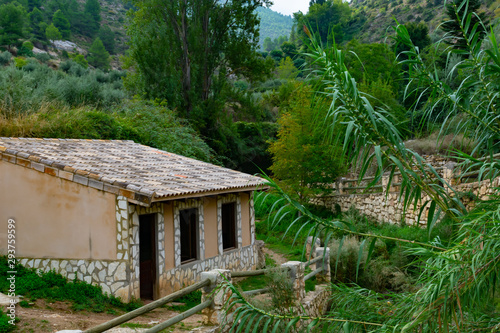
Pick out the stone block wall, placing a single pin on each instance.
(388, 207)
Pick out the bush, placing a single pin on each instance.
(5, 58)
(5, 326)
(281, 289)
(43, 57)
(20, 62)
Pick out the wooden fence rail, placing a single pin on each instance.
(147, 308)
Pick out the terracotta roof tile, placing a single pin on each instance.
(130, 166)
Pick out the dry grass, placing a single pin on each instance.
(448, 144)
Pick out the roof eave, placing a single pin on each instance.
(163, 198)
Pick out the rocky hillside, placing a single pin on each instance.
(380, 15)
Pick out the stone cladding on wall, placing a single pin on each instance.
(120, 277)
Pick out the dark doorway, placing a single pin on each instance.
(147, 254)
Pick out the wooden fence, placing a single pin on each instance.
(213, 298)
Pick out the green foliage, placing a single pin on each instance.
(52, 33)
(98, 56)
(273, 25)
(5, 326)
(108, 38)
(462, 14)
(281, 288)
(326, 17)
(301, 159)
(458, 282)
(20, 62)
(286, 69)
(190, 300)
(193, 76)
(79, 59)
(29, 45)
(12, 23)
(93, 8)
(54, 287)
(60, 21)
(5, 58)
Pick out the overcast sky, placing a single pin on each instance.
(288, 7)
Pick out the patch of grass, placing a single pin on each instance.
(54, 287)
(135, 325)
(4, 323)
(253, 283)
(25, 304)
(190, 300)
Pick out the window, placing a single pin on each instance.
(229, 226)
(189, 234)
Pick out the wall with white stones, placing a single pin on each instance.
(389, 208)
(120, 277)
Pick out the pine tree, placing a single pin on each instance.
(52, 33)
(93, 8)
(108, 38)
(98, 56)
(37, 23)
(61, 22)
(454, 25)
(12, 24)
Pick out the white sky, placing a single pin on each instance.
(288, 7)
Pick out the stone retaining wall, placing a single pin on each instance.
(388, 207)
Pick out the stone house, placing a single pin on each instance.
(135, 220)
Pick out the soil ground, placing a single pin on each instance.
(43, 316)
(53, 317)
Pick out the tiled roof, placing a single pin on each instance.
(138, 172)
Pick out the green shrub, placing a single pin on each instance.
(5, 58)
(29, 45)
(281, 289)
(5, 326)
(20, 62)
(43, 57)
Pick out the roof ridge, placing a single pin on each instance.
(62, 139)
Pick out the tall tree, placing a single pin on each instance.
(12, 24)
(37, 24)
(93, 8)
(61, 22)
(305, 163)
(458, 12)
(98, 56)
(52, 33)
(205, 40)
(325, 17)
(108, 38)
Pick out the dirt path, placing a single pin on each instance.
(277, 257)
(53, 317)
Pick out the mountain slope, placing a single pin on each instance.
(273, 24)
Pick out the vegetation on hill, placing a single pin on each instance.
(273, 25)
(74, 102)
